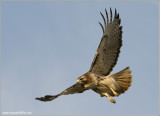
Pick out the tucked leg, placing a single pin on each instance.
(110, 99)
(115, 93)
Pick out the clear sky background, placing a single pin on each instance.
(47, 45)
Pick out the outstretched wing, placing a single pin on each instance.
(76, 88)
(109, 48)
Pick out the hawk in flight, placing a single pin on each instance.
(98, 78)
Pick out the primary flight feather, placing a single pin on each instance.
(98, 78)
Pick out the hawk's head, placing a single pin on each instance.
(87, 80)
(82, 79)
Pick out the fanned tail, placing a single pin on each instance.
(124, 79)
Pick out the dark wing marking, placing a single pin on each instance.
(109, 48)
(76, 88)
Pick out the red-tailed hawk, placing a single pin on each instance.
(98, 78)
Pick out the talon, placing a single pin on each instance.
(115, 93)
(112, 100)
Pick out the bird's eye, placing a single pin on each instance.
(81, 78)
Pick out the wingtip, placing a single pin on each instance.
(115, 13)
(118, 16)
(46, 98)
(106, 15)
(101, 26)
(110, 14)
(40, 99)
(110, 9)
(101, 13)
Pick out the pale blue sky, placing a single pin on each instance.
(47, 45)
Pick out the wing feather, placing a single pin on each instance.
(109, 48)
(76, 88)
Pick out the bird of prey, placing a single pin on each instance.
(98, 78)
